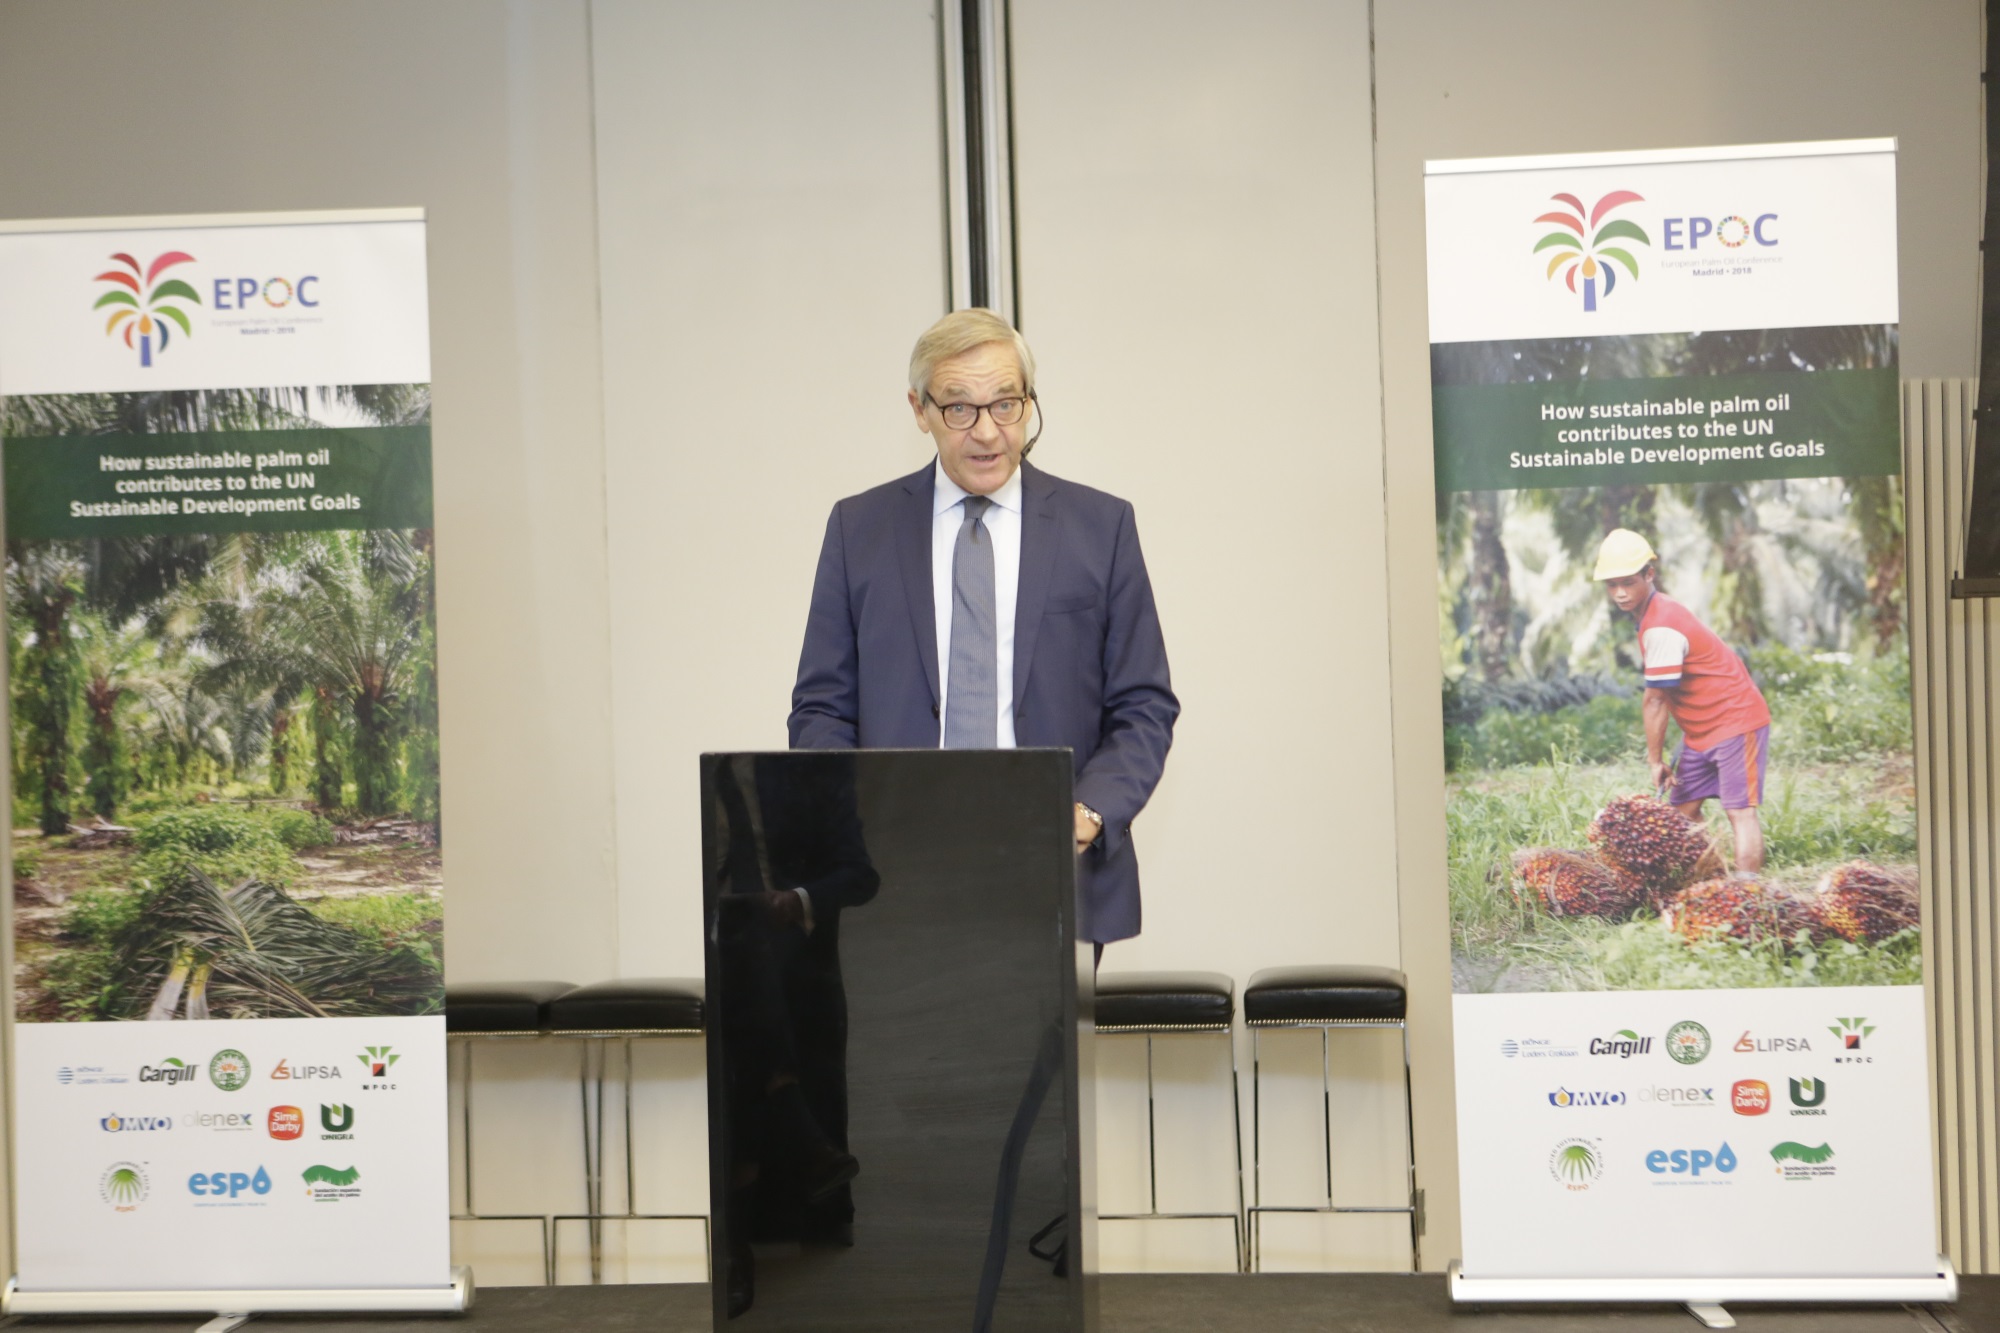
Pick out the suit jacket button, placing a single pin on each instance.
(935, 712)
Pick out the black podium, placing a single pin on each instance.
(898, 1043)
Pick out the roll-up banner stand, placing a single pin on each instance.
(228, 1048)
(1689, 1008)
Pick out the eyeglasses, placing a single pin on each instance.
(962, 416)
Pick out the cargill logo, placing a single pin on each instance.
(1582, 247)
(142, 303)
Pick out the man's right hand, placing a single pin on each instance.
(1663, 774)
(782, 907)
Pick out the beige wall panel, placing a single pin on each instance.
(1466, 80)
(772, 239)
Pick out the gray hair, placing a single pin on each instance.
(960, 332)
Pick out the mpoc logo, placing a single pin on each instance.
(1850, 1031)
(142, 305)
(169, 1071)
(1750, 1096)
(1624, 1045)
(1691, 1162)
(230, 1186)
(1795, 1161)
(1577, 1163)
(1564, 1097)
(326, 1184)
(229, 1070)
(1808, 1096)
(1748, 1045)
(123, 1185)
(378, 1059)
(285, 1122)
(1687, 1042)
(286, 1069)
(276, 293)
(1663, 1096)
(1582, 246)
(336, 1122)
(128, 1124)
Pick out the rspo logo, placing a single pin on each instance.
(1798, 1162)
(1580, 244)
(1746, 1045)
(127, 1124)
(1750, 1096)
(1690, 1162)
(229, 1185)
(1851, 1031)
(1808, 1096)
(286, 1069)
(169, 1071)
(1688, 1042)
(327, 1185)
(1564, 1097)
(1624, 1045)
(285, 1122)
(336, 1122)
(229, 1070)
(145, 305)
(123, 1185)
(1577, 1163)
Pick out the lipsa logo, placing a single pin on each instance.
(1581, 244)
(142, 305)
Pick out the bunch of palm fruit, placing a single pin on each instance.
(1651, 843)
(1744, 909)
(1574, 884)
(1865, 903)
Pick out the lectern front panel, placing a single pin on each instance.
(893, 1041)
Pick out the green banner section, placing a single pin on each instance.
(1830, 423)
(221, 481)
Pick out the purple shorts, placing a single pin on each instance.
(1733, 770)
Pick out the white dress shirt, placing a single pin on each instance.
(1003, 524)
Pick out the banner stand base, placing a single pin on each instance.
(454, 1299)
(1704, 1294)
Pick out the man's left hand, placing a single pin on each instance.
(783, 908)
(1087, 830)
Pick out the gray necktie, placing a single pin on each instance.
(971, 706)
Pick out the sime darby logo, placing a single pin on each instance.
(143, 304)
(1750, 1096)
(1581, 243)
(285, 1122)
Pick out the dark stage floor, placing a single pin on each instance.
(1289, 1303)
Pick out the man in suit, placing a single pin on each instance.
(981, 602)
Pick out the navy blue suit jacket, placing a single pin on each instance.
(1090, 666)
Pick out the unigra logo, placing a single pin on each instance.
(1750, 1096)
(1687, 1042)
(1691, 1162)
(1747, 1046)
(169, 1071)
(1577, 1163)
(1808, 1096)
(336, 1121)
(285, 1122)
(229, 1184)
(1580, 244)
(123, 1185)
(229, 1070)
(1625, 1045)
(125, 1124)
(1564, 1097)
(144, 305)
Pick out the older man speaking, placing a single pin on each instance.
(981, 602)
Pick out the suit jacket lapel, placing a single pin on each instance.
(1040, 533)
(913, 547)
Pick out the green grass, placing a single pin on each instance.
(410, 919)
(1816, 816)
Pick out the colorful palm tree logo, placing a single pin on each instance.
(143, 304)
(1580, 246)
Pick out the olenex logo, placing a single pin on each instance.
(1580, 244)
(144, 304)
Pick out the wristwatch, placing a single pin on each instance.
(1090, 814)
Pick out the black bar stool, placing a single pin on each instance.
(1156, 1004)
(636, 1008)
(1326, 997)
(497, 1011)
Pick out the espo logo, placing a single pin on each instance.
(123, 1185)
(130, 1124)
(229, 1070)
(1624, 1045)
(143, 304)
(1581, 244)
(229, 1184)
(1691, 1162)
(1687, 1042)
(1732, 231)
(275, 293)
(1577, 1163)
(285, 1122)
(1750, 1096)
(1564, 1097)
(169, 1071)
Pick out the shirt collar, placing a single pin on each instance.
(949, 492)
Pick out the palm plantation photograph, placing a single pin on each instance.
(224, 746)
(1677, 715)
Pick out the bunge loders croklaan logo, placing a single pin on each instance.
(143, 304)
(1581, 245)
